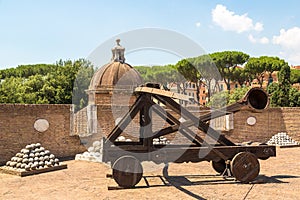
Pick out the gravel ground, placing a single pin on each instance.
(279, 179)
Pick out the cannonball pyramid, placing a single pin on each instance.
(33, 159)
(95, 152)
(282, 139)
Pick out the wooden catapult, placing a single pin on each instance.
(227, 157)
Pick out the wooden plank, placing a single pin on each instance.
(7, 170)
(181, 153)
(163, 93)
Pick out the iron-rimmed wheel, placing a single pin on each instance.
(245, 167)
(219, 166)
(127, 171)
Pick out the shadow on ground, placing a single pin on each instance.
(191, 180)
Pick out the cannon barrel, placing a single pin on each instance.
(256, 99)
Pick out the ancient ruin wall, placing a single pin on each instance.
(17, 129)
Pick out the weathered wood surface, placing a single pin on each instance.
(163, 93)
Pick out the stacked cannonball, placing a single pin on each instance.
(161, 140)
(94, 153)
(33, 157)
(282, 139)
(123, 139)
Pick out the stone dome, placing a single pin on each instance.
(116, 74)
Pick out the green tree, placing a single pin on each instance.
(294, 97)
(31, 89)
(241, 76)
(295, 76)
(209, 72)
(219, 100)
(159, 74)
(284, 86)
(25, 71)
(281, 91)
(259, 67)
(237, 94)
(190, 73)
(256, 70)
(224, 98)
(143, 70)
(227, 62)
(10, 90)
(81, 84)
(272, 64)
(44, 83)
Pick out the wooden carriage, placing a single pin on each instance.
(240, 161)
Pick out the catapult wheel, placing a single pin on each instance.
(219, 166)
(127, 171)
(245, 167)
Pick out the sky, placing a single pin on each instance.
(44, 31)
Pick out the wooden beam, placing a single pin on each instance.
(183, 129)
(146, 121)
(116, 132)
(160, 92)
(170, 103)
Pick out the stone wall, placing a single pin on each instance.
(17, 129)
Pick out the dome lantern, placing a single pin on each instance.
(118, 53)
(113, 77)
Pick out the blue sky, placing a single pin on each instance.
(45, 31)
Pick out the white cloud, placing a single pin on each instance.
(230, 21)
(289, 40)
(252, 39)
(262, 40)
(198, 24)
(258, 26)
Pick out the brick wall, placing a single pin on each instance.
(17, 129)
(291, 121)
(268, 123)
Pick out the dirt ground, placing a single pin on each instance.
(279, 179)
